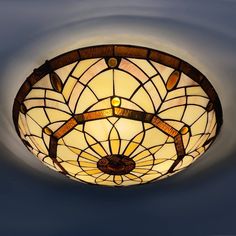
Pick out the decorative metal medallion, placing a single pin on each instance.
(117, 115)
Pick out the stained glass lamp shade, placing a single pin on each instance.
(117, 115)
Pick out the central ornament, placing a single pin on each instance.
(116, 165)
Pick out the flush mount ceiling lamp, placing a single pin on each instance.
(117, 115)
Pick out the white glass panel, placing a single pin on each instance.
(65, 153)
(64, 72)
(196, 91)
(165, 71)
(104, 104)
(128, 128)
(55, 115)
(86, 100)
(133, 69)
(175, 93)
(34, 128)
(36, 93)
(173, 102)
(167, 151)
(186, 81)
(200, 125)
(93, 71)
(154, 137)
(151, 89)
(69, 85)
(192, 113)
(54, 95)
(198, 100)
(143, 100)
(123, 81)
(75, 95)
(144, 65)
(83, 66)
(99, 129)
(172, 113)
(102, 84)
(159, 85)
(43, 83)
(75, 139)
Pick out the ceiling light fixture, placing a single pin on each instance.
(117, 115)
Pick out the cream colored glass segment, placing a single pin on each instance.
(130, 105)
(40, 145)
(31, 103)
(43, 83)
(151, 89)
(35, 93)
(23, 124)
(39, 115)
(175, 93)
(141, 156)
(32, 143)
(192, 113)
(68, 87)
(192, 142)
(75, 139)
(55, 126)
(211, 121)
(90, 139)
(78, 88)
(122, 81)
(93, 71)
(143, 100)
(89, 157)
(83, 66)
(118, 179)
(102, 84)
(149, 177)
(174, 113)
(123, 145)
(165, 71)
(159, 85)
(133, 69)
(57, 105)
(166, 152)
(187, 160)
(202, 101)
(213, 132)
(99, 129)
(72, 169)
(200, 125)
(175, 124)
(163, 167)
(54, 95)
(144, 65)
(65, 153)
(128, 128)
(173, 103)
(46, 139)
(185, 81)
(196, 91)
(185, 139)
(154, 137)
(85, 101)
(64, 72)
(34, 128)
(104, 104)
(99, 150)
(55, 115)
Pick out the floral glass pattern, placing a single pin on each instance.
(117, 115)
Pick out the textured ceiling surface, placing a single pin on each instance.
(199, 201)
